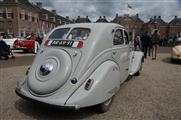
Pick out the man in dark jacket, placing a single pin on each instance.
(145, 41)
(38, 42)
(3, 49)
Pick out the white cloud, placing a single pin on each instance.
(95, 8)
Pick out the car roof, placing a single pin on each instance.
(92, 25)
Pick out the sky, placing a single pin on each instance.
(146, 9)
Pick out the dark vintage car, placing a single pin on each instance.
(27, 45)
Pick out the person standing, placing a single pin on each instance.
(155, 41)
(137, 42)
(38, 42)
(145, 38)
(150, 47)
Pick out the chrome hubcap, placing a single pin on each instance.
(46, 68)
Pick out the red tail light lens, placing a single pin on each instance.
(80, 44)
(16, 42)
(89, 84)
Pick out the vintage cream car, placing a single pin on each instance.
(176, 50)
(81, 65)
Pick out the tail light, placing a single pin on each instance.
(16, 42)
(89, 84)
(80, 44)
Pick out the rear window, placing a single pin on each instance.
(59, 33)
(79, 34)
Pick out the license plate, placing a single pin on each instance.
(66, 43)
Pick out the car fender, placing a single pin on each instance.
(106, 82)
(135, 61)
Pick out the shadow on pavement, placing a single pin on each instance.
(18, 61)
(168, 60)
(22, 53)
(37, 111)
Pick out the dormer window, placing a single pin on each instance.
(52, 18)
(59, 21)
(45, 16)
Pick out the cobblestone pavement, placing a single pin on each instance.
(154, 95)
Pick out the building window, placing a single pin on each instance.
(1, 27)
(9, 13)
(45, 16)
(52, 19)
(1, 13)
(10, 28)
(22, 15)
(26, 17)
(59, 21)
(29, 16)
(34, 18)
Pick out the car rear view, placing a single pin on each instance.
(49, 79)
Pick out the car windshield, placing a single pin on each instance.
(28, 37)
(79, 34)
(59, 33)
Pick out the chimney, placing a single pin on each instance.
(175, 17)
(78, 17)
(137, 15)
(159, 17)
(154, 17)
(100, 17)
(117, 15)
(39, 4)
(87, 17)
(54, 11)
(67, 17)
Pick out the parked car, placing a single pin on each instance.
(81, 65)
(10, 41)
(176, 50)
(27, 44)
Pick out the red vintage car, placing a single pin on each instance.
(27, 45)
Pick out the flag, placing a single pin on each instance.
(129, 6)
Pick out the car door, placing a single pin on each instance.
(120, 52)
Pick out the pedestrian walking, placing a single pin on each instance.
(150, 47)
(136, 42)
(155, 41)
(145, 39)
(38, 42)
